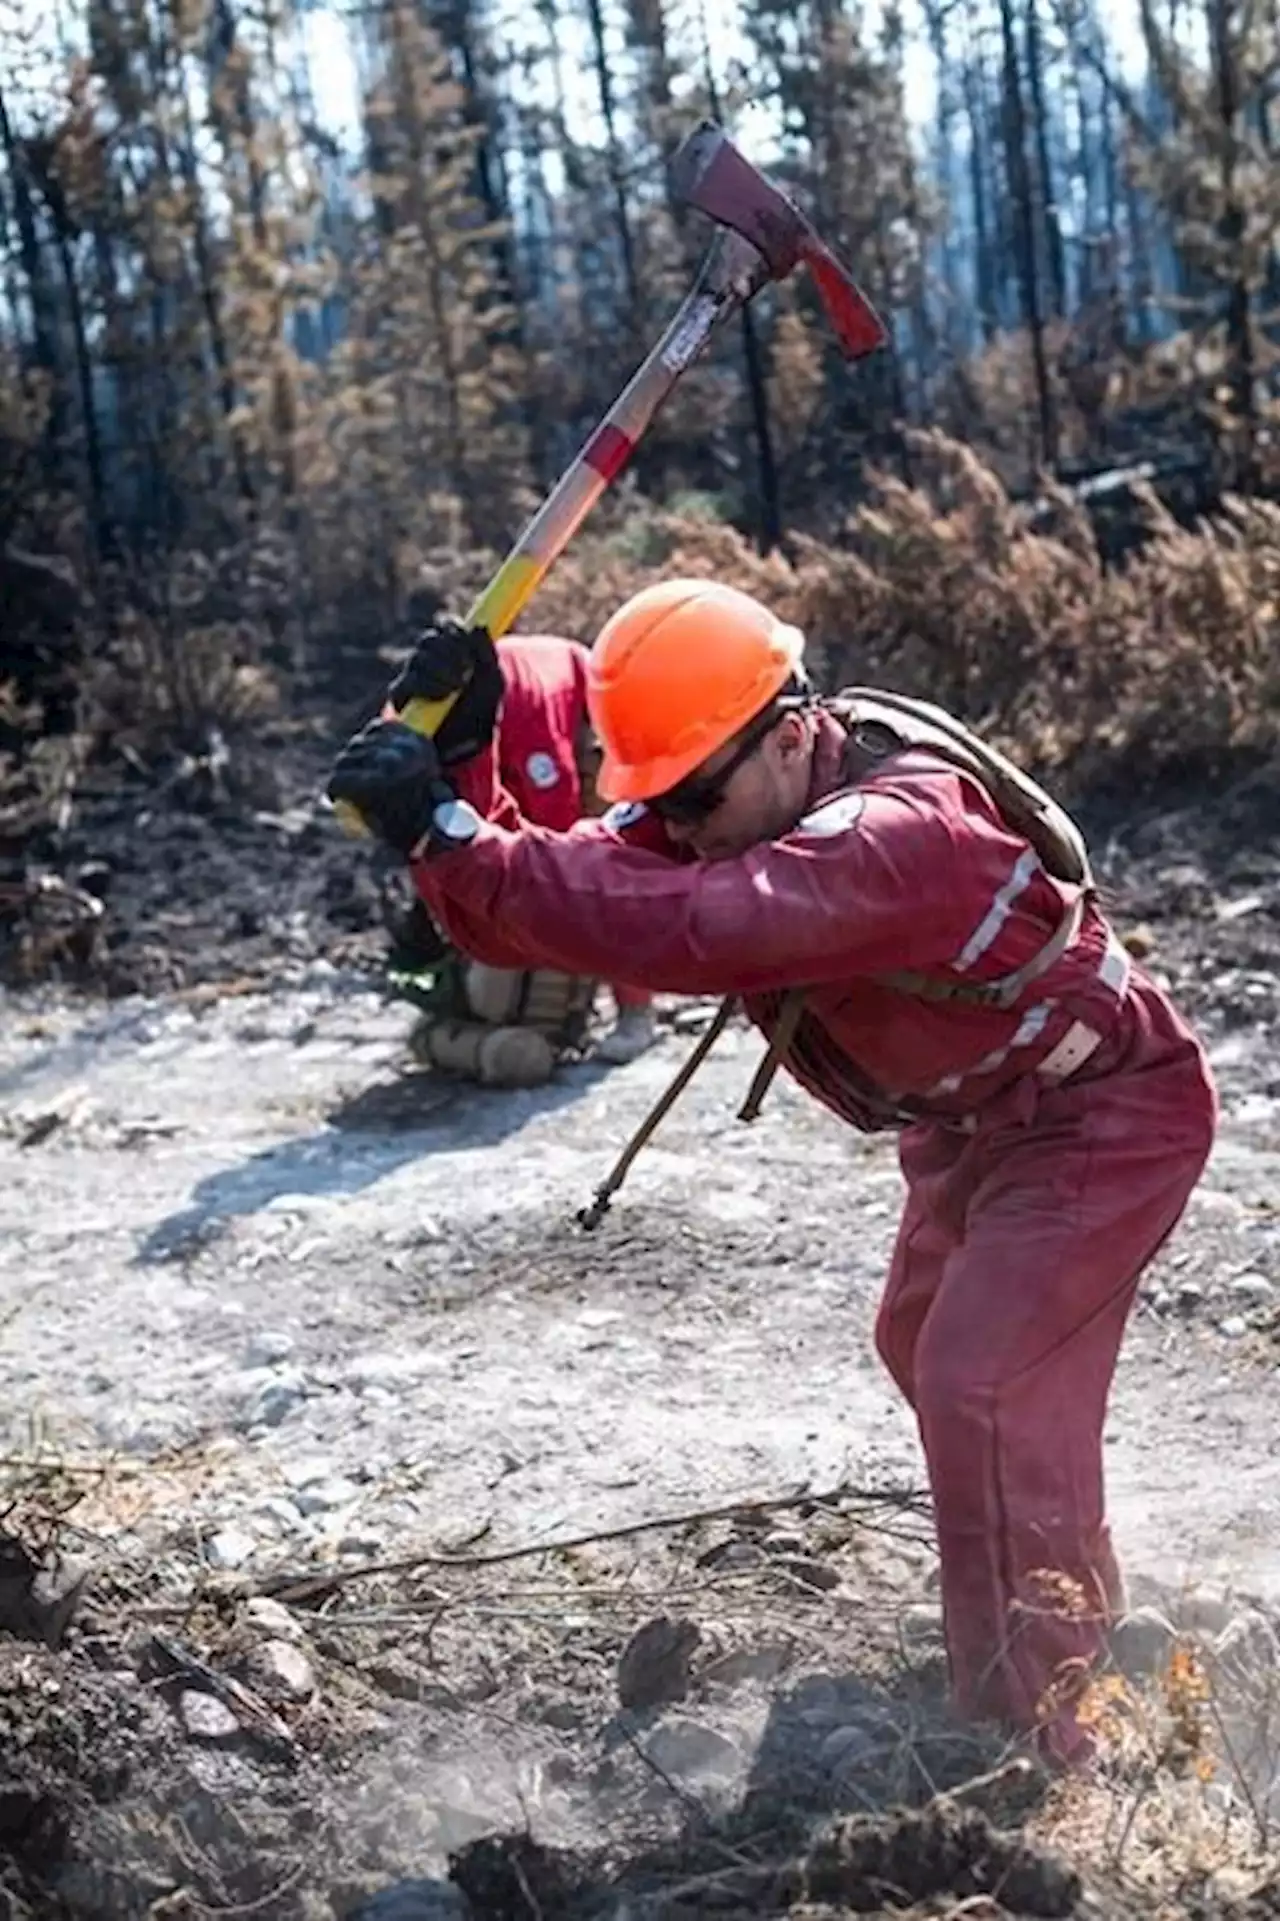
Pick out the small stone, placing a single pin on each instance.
(1233, 1327)
(231, 1547)
(732, 1554)
(1205, 1610)
(847, 1748)
(276, 1508)
(921, 1621)
(205, 1717)
(283, 1670)
(268, 1348)
(1142, 1642)
(322, 1497)
(385, 1370)
(564, 1716)
(273, 1618)
(361, 1547)
(689, 1748)
(596, 1317)
(748, 1664)
(308, 1469)
(654, 1665)
(1189, 1294)
(275, 1399)
(1251, 1288)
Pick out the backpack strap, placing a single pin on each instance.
(1008, 989)
(784, 1032)
(879, 726)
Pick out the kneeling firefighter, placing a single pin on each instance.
(508, 1026)
(912, 922)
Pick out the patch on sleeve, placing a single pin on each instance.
(835, 816)
(623, 814)
(542, 771)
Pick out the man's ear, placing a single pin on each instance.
(791, 736)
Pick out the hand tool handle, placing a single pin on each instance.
(732, 272)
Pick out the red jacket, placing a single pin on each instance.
(544, 706)
(912, 869)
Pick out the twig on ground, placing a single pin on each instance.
(257, 1718)
(287, 1587)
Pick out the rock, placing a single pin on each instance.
(732, 1554)
(654, 1665)
(1189, 1295)
(921, 1622)
(564, 1716)
(38, 1599)
(1142, 1642)
(1251, 1288)
(846, 1749)
(687, 1749)
(1233, 1327)
(1140, 940)
(748, 1664)
(1204, 1610)
(361, 1547)
(231, 1547)
(783, 1543)
(283, 1671)
(322, 1497)
(205, 1717)
(414, 1901)
(273, 1400)
(273, 1618)
(385, 1370)
(276, 1508)
(268, 1347)
(307, 1469)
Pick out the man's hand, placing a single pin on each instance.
(451, 659)
(392, 777)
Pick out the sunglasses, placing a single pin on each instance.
(696, 798)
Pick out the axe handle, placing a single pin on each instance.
(731, 274)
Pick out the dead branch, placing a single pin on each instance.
(302, 1587)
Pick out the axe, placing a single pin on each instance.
(762, 236)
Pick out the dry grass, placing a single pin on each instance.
(1169, 663)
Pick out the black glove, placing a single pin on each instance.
(452, 659)
(392, 777)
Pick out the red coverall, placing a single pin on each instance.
(1036, 1192)
(543, 708)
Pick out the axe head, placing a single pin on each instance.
(710, 174)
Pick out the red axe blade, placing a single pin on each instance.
(710, 174)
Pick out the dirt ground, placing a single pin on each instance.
(310, 1369)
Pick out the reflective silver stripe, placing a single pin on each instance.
(1029, 1028)
(1115, 966)
(1025, 869)
(1113, 971)
(1072, 1051)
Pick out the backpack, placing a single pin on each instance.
(881, 725)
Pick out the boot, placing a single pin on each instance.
(632, 1034)
(493, 1056)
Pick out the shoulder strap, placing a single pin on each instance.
(880, 725)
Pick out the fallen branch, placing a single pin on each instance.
(301, 1587)
(255, 1717)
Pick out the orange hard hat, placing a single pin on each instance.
(675, 674)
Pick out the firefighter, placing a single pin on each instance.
(912, 922)
(508, 1026)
